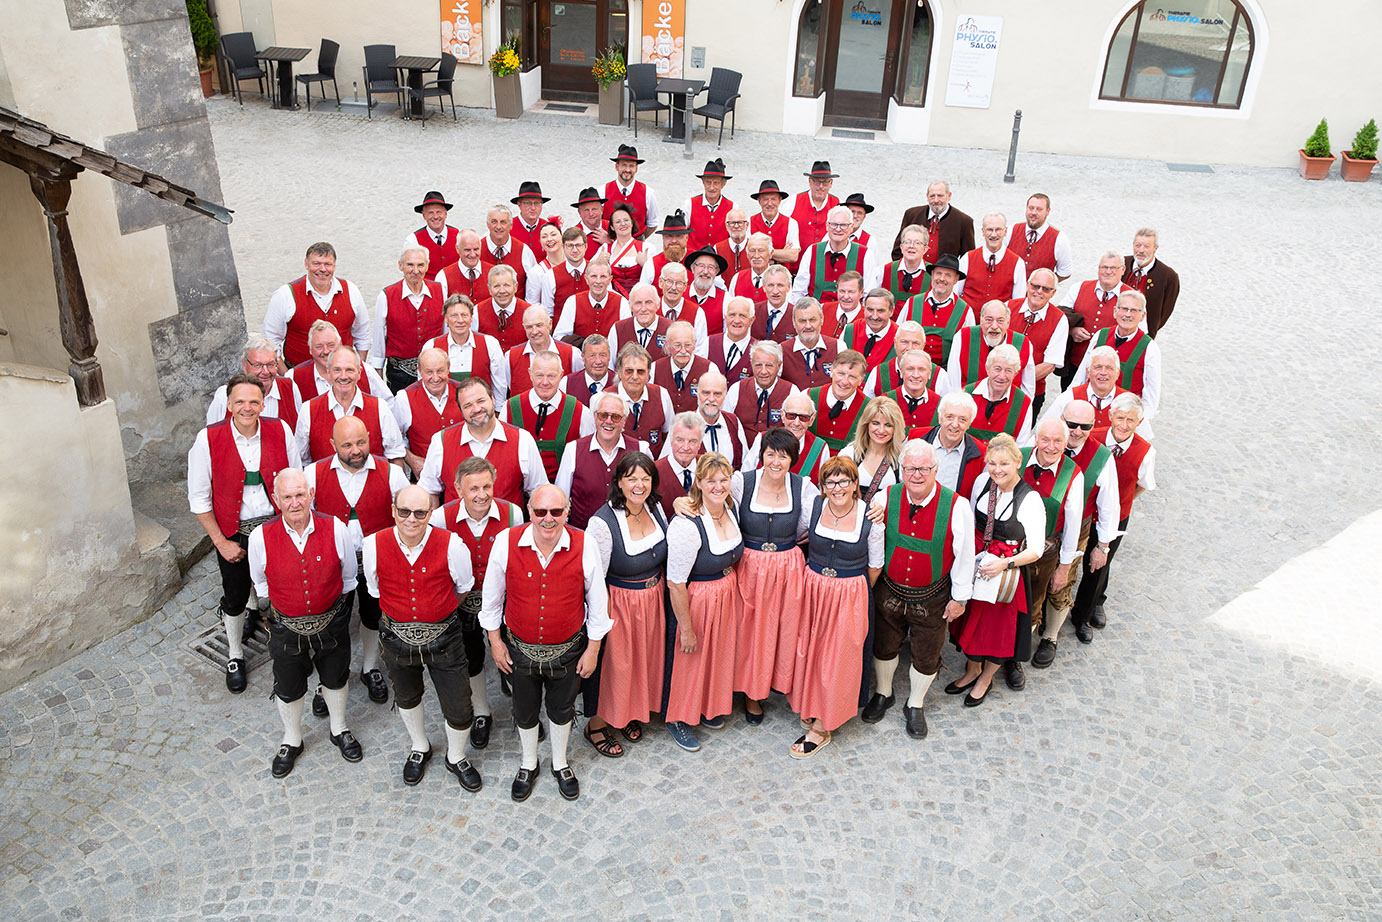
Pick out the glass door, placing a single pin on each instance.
(861, 62)
(571, 35)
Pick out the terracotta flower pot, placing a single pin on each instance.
(612, 104)
(1355, 170)
(508, 96)
(207, 91)
(1314, 167)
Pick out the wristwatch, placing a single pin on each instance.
(1103, 547)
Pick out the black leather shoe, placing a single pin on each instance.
(1045, 653)
(237, 677)
(1097, 618)
(466, 774)
(378, 688)
(876, 708)
(1084, 633)
(479, 731)
(319, 708)
(349, 746)
(285, 760)
(523, 782)
(416, 766)
(916, 722)
(959, 688)
(1013, 674)
(566, 782)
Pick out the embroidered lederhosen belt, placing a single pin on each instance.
(470, 610)
(407, 366)
(913, 596)
(307, 625)
(419, 634)
(546, 659)
(249, 525)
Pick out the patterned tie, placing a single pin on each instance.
(772, 320)
(594, 387)
(732, 357)
(440, 240)
(758, 281)
(643, 337)
(762, 403)
(993, 263)
(714, 430)
(686, 480)
(1118, 451)
(993, 507)
(1031, 240)
(1138, 280)
(503, 320)
(500, 253)
(637, 410)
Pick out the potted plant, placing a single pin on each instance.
(204, 38)
(610, 70)
(505, 64)
(1358, 162)
(1315, 156)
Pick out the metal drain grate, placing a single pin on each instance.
(564, 107)
(1190, 168)
(851, 134)
(210, 645)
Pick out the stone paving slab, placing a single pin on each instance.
(1190, 764)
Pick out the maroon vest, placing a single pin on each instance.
(684, 399)
(591, 477)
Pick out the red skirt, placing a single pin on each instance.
(625, 277)
(830, 649)
(633, 655)
(703, 682)
(988, 629)
(772, 586)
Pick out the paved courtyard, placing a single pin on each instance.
(1213, 755)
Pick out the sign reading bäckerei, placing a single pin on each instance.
(664, 35)
(973, 57)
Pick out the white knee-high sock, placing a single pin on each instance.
(920, 683)
(412, 721)
(1055, 620)
(336, 707)
(479, 696)
(528, 740)
(883, 670)
(369, 648)
(455, 743)
(235, 626)
(291, 713)
(559, 734)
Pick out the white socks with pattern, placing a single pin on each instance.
(920, 683)
(336, 707)
(235, 626)
(479, 696)
(560, 733)
(1055, 620)
(412, 721)
(369, 648)
(291, 713)
(883, 670)
(455, 743)
(528, 740)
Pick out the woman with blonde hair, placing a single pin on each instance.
(877, 445)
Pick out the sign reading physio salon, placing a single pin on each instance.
(460, 30)
(664, 35)
(973, 57)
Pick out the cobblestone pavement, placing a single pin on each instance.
(1212, 755)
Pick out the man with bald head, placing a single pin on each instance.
(537, 325)
(546, 610)
(970, 351)
(358, 488)
(798, 416)
(304, 564)
(553, 418)
(822, 264)
(587, 464)
(807, 357)
(466, 275)
(281, 398)
(645, 327)
(991, 270)
(724, 434)
(949, 229)
(427, 406)
(407, 314)
(1045, 328)
(345, 398)
(420, 574)
(679, 371)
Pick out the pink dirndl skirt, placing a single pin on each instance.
(703, 682)
(830, 649)
(634, 653)
(772, 586)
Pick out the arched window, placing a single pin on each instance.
(810, 37)
(916, 56)
(1196, 55)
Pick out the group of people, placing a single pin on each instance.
(713, 457)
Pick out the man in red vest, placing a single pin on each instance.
(822, 263)
(941, 312)
(1089, 308)
(358, 489)
(501, 315)
(706, 294)
(992, 271)
(1002, 406)
(839, 405)
(798, 415)
(512, 451)
(407, 314)
(435, 236)
(949, 230)
(748, 281)
(1135, 460)
(757, 401)
(873, 337)
(925, 584)
(499, 247)
(677, 467)
(706, 212)
(1059, 480)
(313, 377)
(1157, 281)
(723, 431)
(732, 248)
(230, 468)
(1103, 369)
(848, 303)
(554, 419)
(553, 287)
(420, 574)
(959, 454)
(915, 398)
(347, 398)
(317, 295)
(465, 275)
(674, 305)
(1040, 245)
(537, 326)
(807, 357)
(781, 230)
(587, 464)
(627, 190)
(479, 519)
(590, 219)
(426, 407)
(972, 345)
(546, 610)
(1044, 328)
(304, 564)
(529, 201)
(1138, 354)
(281, 397)
(596, 376)
(910, 337)
(680, 369)
(594, 311)
(650, 407)
(729, 351)
(809, 208)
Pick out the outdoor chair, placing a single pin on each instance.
(642, 85)
(239, 51)
(724, 92)
(380, 76)
(442, 86)
(326, 70)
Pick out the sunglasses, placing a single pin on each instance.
(556, 513)
(418, 514)
(606, 417)
(1085, 426)
(799, 417)
(1035, 287)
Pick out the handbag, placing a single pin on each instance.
(1000, 589)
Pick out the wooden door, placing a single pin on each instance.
(861, 61)
(570, 35)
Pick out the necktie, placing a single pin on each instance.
(1028, 318)
(934, 227)
(1104, 297)
(440, 240)
(912, 510)
(810, 356)
(575, 273)
(643, 337)
(595, 386)
(503, 320)
(680, 378)
(993, 263)
(772, 320)
(1118, 451)
(762, 403)
(836, 410)
(870, 343)
(1137, 279)
(834, 257)
(542, 409)
(912, 403)
(1036, 476)
(686, 480)
(992, 405)
(637, 410)
(500, 253)
(1119, 340)
(714, 430)
(1031, 240)
(1070, 453)
(732, 357)
(907, 279)
(473, 272)
(758, 281)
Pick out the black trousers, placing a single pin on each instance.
(475, 639)
(557, 680)
(1094, 585)
(294, 656)
(369, 605)
(235, 579)
(444, 659)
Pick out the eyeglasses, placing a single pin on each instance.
(1035, 287)
(261, 366)
(833, 226)
(1085, 426)
(556, 513)
(912, 470)
(606, 417)
(418, 514)
(839, 484)
(736, 224)
(800, 417)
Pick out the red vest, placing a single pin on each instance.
(321, 421)
(287, 408)
(733, 430)
(925, 416)
(713, 307)
(1101, 414)
(1097, 314)
(809, 460)
(306, 312)
(856, 337)
(487, 321)
(1062, 479)
(421, 591)
(625, 333)
(1041, 256)
(810, 221)
(669, 486)
(637, 200)
(650, 419)
(684, 400)
(439, 255)
(566, 285)
(734, 259)
(458, 283)
(426, 421)
(782, 226)
(561, 427)
(407, 328)
(305, 378)
(742, 287)
(374, 509)
(1038, 335)
(545, 605)
(228, 470)
(1128, 464)
(707, 227)
(742, 367)
(1007, 416)
(589, 321)
(1084, 458)
(837, 432)
(794, 366)
(513, 258)
(1132, 356)
(479, 361)
(974, 353)
(686, 311)
(746, 408)
(942, 325)
(983, 286)
(520, 365)
(892, 280)
(503, 454)
(528, 236)
(577, 386)
(591, 477)
(481, 546)
(920, 548)
(305, 582)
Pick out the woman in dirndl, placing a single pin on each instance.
(844, 559)
(1010, 532)
(702, 549)
(877, 446)
(631, 535)
(625, 252)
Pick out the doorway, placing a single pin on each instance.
(861, 64)
(571, 34)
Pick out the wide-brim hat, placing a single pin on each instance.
(946, 261)
(586, 197)
(714, 169)
(706, 251)
(529, 190)
(821, 170)
(675, 223)
(626, 152)
(768, 185)
(433, 198)
(857, 198)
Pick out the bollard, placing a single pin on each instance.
(1012, 151)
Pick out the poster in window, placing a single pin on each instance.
(460, 31)
(973, 58)
(664, 35)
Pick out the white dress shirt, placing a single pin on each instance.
(345, 550)
(529, 458)
(477, 526)
(1074, 509)
(480, 270)
(870, 267)
(394, 446)
(381, 321)
(461, 357)
(751, 389)
(282, 307)
(1062, 253)
(566, 318)
(403, 409)
(698, 325)
(1146, 471)
(496, 588)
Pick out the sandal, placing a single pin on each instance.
(808, 748)
(606, 744)
(633, 731)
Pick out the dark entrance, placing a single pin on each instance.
(861, 61)
(570, 35)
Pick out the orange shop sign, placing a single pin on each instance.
(664, 35)
(461, 34)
